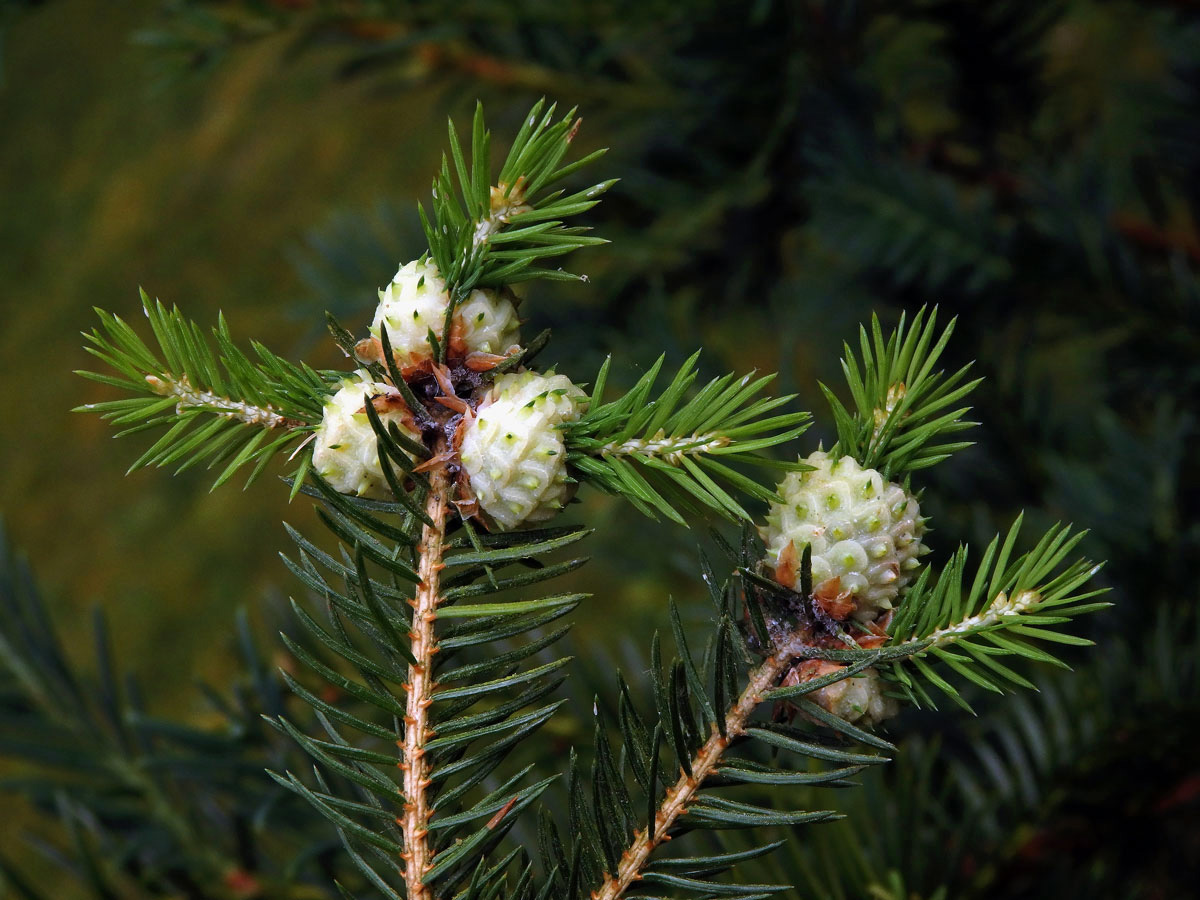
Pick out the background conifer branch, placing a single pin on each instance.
(157, 806)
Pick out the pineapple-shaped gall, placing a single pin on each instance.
(859, 699)
(864, 532)
(346, 450)
(514, 456)
(415, 303)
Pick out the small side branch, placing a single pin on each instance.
(191, 398)
(883, 415)
(684, 790)
(506, 202)
(415, 823)
(1001, 608)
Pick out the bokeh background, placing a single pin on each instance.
(786, 169)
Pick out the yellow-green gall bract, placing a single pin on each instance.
(862, 530)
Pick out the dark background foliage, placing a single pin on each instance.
(787, 168)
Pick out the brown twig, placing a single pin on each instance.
(415, 822)
(681, 793)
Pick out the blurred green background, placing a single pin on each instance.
(196, 193)
(787, 168)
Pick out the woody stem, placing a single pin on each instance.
(705, 761)
(415, 821)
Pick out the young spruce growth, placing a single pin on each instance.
(441, 458)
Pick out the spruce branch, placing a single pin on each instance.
(683, 792)
(685, 707)
(489, 234)
(674, 451)
(1010, 602)
(222, 406)
(1030, 596)
(454, 721)
(903, 410)
(968, 628)
(699, 715)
